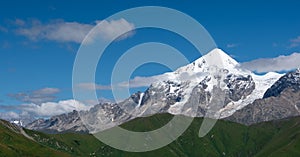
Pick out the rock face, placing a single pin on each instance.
(70, 122)
(99, 117)
(281, 100)
(239, 86)
(190, 90)
(290, 80)
(285, 105)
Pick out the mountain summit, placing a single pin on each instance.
(192, 85)
(216, 57)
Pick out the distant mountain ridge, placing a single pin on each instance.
(70, 122)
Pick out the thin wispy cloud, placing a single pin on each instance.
(139, 81)
(133, 83)
(93, 86)
(295, 42)
(232, 45)
(281, 63)
(3, 29)
(5, 44)
(136, 82)
(19, 22)
(62, 31)
(274, 45)
(46, 91)
(37, 96)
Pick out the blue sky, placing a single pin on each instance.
(37, 68)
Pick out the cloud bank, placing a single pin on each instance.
(281, 63)
(53, 108)
(46, 109)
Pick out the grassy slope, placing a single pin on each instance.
(286, 141)
(225, 139)
(15, 144)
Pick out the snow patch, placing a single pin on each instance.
(140, 100)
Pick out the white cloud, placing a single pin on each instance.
(62, 31)
(29, 111)
(281, 63)
(295, 42)
(37, 96)
(113, 28)
(48, 109)
(57, 30)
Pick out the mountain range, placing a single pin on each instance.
(246, 97)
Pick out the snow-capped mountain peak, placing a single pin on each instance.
(241, 85)
(219, 58)
(215, 58)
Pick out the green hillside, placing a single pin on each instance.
(13, 143)
(280, 138)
